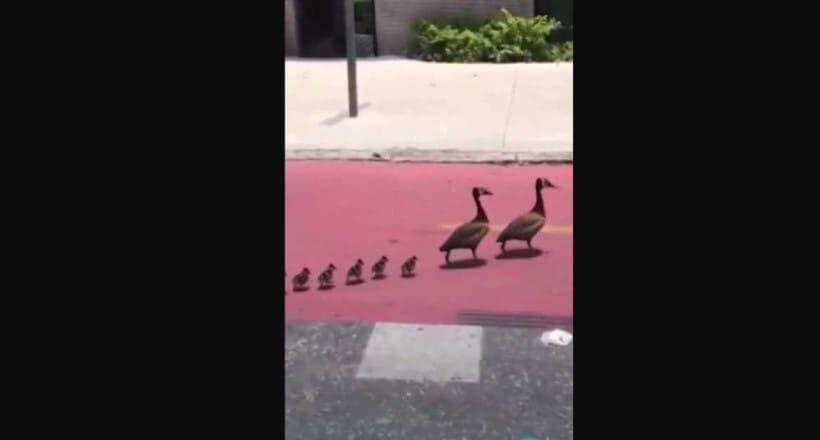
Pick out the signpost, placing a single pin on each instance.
(350, 39)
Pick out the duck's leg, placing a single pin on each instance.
(529, 244)
(503, 246)
(474, 256)
(447, 257)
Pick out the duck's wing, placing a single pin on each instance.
(524, 226)
(467, 235)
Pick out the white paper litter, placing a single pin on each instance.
(556, 337)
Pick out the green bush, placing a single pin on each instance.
(565, 51)
(504, 39)
(448, 43)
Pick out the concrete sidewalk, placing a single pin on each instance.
(418, 111)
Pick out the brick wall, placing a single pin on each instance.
(395, 18)
(291, 40)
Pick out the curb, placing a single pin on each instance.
(410, 155)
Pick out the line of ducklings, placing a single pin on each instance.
(354, 274)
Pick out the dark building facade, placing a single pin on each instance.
(315, 28)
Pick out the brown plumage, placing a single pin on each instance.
(408, 267)
(526, 226)
(326, 277)
(301, 279)
(355, 271)
(378, 268)
(470, 234)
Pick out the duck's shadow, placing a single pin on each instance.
(379, 277)
(464, 264)
(327, 287)
(301, 289)
(354, 282)
(518, 254)
(408, 275)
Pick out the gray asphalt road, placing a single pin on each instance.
(524, 388)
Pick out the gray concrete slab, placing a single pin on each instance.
(417, 111)
(524, 389)
(437, 353)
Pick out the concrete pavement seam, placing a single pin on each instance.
(509, 109)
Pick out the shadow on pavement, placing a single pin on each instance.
(517, 254)
(464, 264)
(342, 115)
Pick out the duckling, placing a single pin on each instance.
(355, 271)
(301, 279)
(326, 277)
(408, 267)
(527, 225)
(379, 267)
(470, 234)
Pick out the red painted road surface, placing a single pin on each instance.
(340, 211)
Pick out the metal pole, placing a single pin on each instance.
(350, 37)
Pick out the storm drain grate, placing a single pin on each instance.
(525, 320)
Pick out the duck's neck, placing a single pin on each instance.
(539, 203)
(481, 215)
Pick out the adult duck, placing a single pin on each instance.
(525, 227)
(470, 234)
